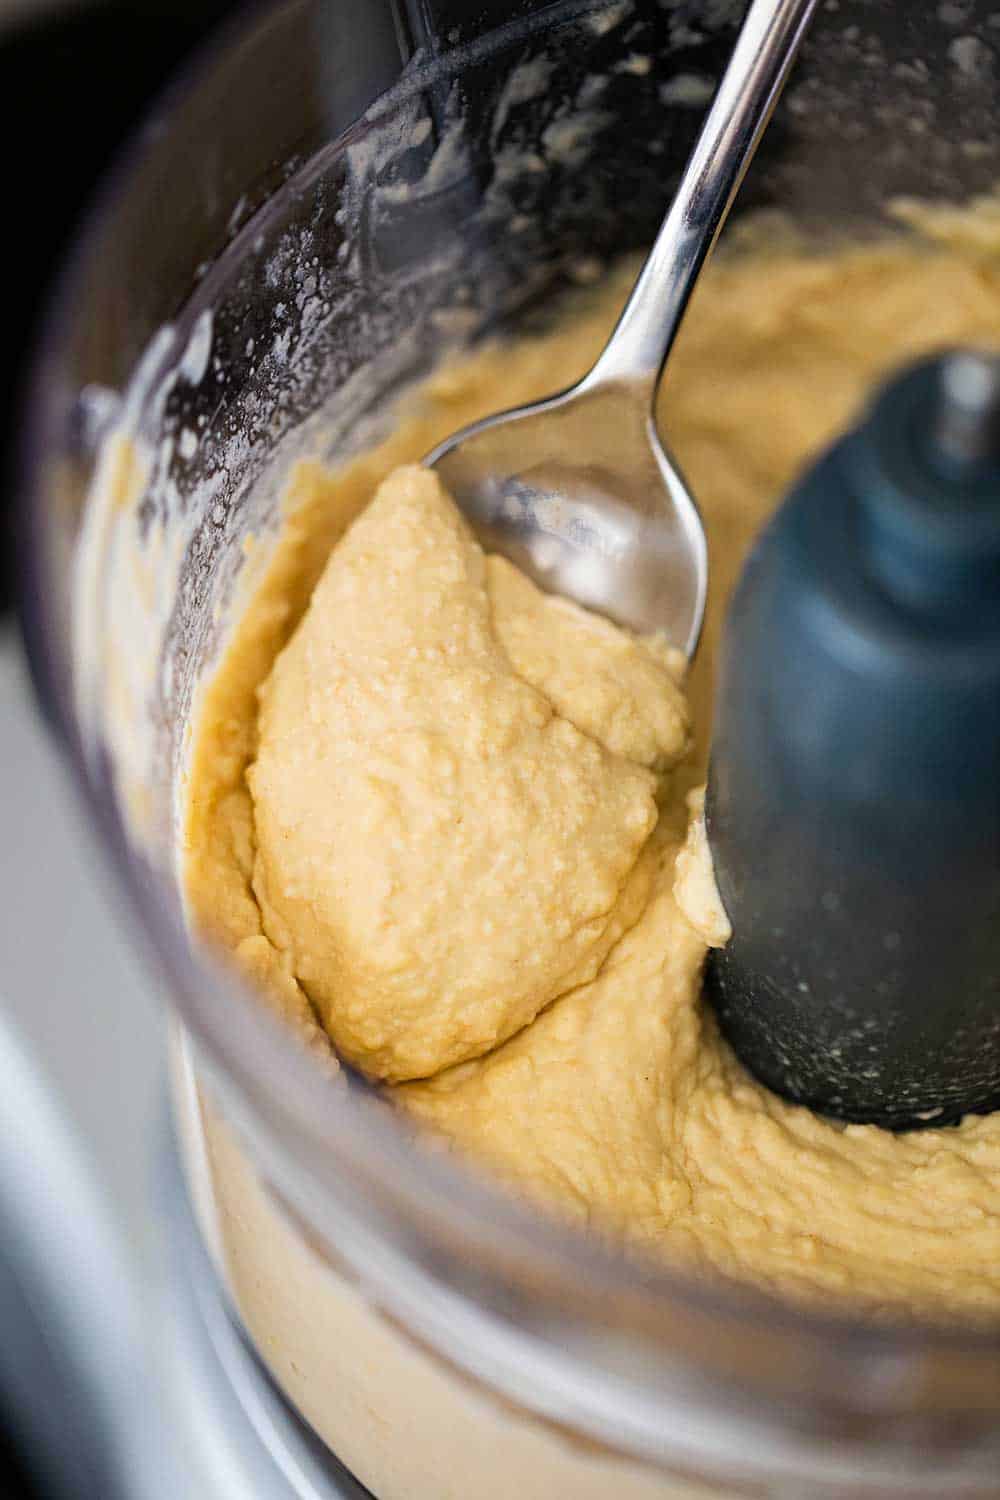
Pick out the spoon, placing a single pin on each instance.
(578, 489)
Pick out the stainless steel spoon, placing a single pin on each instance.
(578, 489)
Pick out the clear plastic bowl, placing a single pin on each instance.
(333, 198)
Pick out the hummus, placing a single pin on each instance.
(452, 826)
(442, 850)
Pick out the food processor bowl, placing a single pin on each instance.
(332, 200)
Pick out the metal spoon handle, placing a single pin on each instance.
(765, 49)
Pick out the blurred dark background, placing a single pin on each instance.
(74, 79)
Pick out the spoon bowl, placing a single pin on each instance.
(580, 493)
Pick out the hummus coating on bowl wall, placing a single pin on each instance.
(609, 1095)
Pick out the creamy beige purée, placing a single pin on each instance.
(446, 805)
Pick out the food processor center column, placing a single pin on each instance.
(853, 808)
